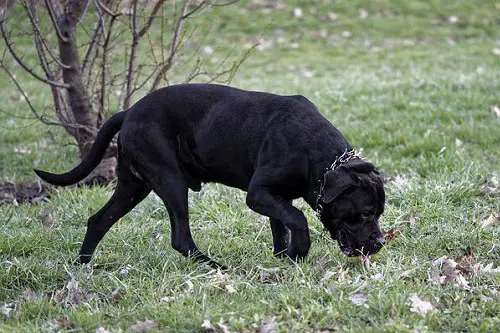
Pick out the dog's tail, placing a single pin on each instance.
(90, 162)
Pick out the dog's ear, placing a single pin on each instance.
(336, 182)
(358, 165)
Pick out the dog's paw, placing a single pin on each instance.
(82, 259)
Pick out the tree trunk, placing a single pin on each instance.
(67, 18)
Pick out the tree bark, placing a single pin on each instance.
(66, 18)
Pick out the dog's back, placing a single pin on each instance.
(221, 129)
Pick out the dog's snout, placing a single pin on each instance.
(380, 240)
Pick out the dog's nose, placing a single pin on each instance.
(380, 240)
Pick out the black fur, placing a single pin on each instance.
(276, 148)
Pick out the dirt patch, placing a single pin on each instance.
(12, 193)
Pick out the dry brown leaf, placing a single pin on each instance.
(220, 327)
(492, 185)
(332, 16)
(7, 308)
(452, 273)
(393, 312)
(207, 326)
(420, 306)
(74, 294)
(491, 220)
(390, 234)
(144, 326)
(359, 298)
(65, 323)
(269, 327)
(49, 221)
(116, 295)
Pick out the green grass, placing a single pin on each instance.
(398, 87)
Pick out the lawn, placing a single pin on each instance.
(414, 84)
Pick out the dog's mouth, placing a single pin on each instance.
(351, 248)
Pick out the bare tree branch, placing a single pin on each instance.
(26, 98)
(165, 66)
(106, 9)
(151, 18)
(54, 19)
(195, 9)
(104, 70)
(21, 63)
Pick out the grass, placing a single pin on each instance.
(408, 87)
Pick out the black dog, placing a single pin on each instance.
(277, 148)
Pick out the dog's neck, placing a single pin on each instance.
(318, 170)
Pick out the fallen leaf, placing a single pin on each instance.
(269, 275)
(358, 298)
(207, 326)
(22, 151)
(230, 289)
(269, 327)
(452, 274)
(332, 16)
(144, 326)
(115, 295)
(298, 12)
(65, 323)
(208, 50)
(406, 275)
(491, 220)
(7, 308)
(220, 327)
(420, 306)
(495, 110)
(363, 13)
(308, 74)
(492, 185)
(393, 312)
(74, 294)
(49, 221)
(390, 234)
(346, 34)
(31, 295)
(125, 270)
(328, 275)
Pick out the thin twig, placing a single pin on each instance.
(151, 18)
(54, 19)
(23, 65)
(165, 66)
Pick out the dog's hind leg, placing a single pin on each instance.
(128, 193)
(280, 237)
(174, 194)
(161, 169)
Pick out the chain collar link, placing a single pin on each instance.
(347, 156)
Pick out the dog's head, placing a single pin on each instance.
(352, 202)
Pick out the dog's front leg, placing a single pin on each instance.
(262, 201)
